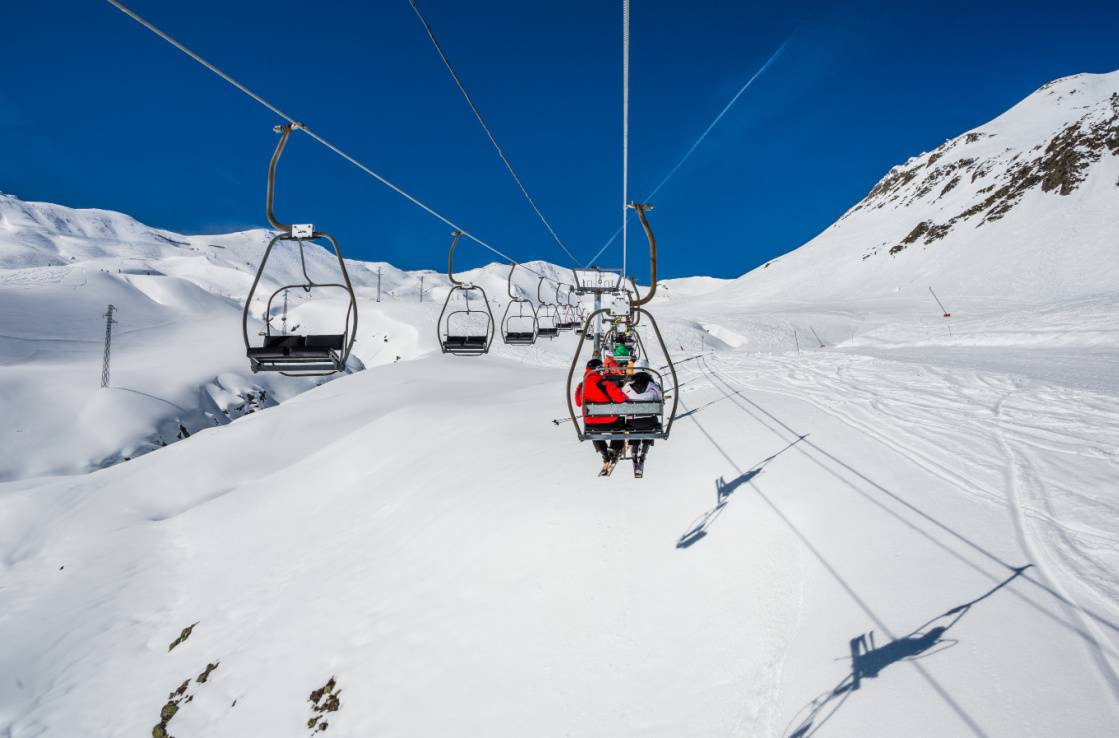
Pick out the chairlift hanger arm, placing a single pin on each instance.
(451, 259)
(285, 133)
(512, 269)
(641, 208)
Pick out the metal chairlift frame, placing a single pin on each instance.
(637, 345)
(564, 318)
(296, 355)
(542, 312)
(518, 338)
(630, 409)
(465, 344)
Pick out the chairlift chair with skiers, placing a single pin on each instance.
(626, 309)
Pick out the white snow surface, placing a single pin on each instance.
(849, 472)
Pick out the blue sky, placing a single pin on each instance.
(97, 112)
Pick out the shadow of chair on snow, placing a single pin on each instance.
(723, 490)
(869, 660)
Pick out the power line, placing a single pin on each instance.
(296, 124)
(489, 133)
(726, 108)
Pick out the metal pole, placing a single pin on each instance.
(108, 345)
(421, 288)
(625, 133)
(941, 304)
(796, 340)
(378, 284)
(284, 317)
(597, 324)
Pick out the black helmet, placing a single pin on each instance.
(594, 364)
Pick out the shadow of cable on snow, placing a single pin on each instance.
(869, 660)
(825, 460)
(973, 727)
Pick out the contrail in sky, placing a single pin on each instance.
(726, 108)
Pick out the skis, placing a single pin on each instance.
(608, 467)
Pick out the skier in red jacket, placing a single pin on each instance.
(596, 389)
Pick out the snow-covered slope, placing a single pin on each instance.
(178, 360)
(1019, 210)
(869, 520)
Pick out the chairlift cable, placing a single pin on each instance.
(625, 130)
(691, 150)
(296, 124)
(489, 133)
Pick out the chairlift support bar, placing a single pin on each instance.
(641, 208)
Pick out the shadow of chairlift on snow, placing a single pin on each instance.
(723, 491)
(868, 660)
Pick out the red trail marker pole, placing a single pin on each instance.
(941, 304)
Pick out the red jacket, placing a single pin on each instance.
(599, 392)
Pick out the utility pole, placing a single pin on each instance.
(378, 284)
(108, 345)
(421, 288)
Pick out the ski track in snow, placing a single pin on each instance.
(1061, 550)
(1079, 569)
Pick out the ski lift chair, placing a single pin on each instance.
(464, 331)
(564, 320)
(518, 329)
(662, 418)
(647, 418)
(546, 316)
(298, 354)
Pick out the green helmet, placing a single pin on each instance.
(621, 350)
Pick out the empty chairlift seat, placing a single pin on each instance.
(464, 331)
(519, 324)
(310, 354)
(319, 353)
